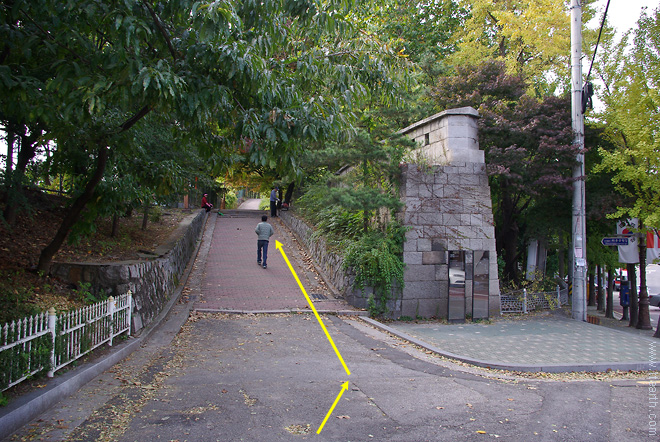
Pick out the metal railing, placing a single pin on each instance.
(520, 301)
(48, 341)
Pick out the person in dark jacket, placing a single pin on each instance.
(273, 202)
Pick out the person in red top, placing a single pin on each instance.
(205, 203)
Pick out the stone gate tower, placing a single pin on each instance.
(450, 255)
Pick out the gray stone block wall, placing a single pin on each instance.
(152, 281)
(447, 207)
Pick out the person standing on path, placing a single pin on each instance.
(264, 231)
(273, 202)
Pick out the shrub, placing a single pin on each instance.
(231, 200)
(376, 260)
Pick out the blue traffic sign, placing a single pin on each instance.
(614, 241)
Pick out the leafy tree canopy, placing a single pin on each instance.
(256, 79)
(532, 38)
(631, 94)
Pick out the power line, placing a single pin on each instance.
(600, 31)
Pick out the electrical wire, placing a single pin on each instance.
(602, 24)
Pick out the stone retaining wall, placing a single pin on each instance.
(330, 264)
(152, 280)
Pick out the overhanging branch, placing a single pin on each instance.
(160, 27)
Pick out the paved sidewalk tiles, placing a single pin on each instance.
(541, 341)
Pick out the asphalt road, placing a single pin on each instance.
(275, 378)
(222, 377)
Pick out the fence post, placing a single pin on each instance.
(525, 301)
(52, 325)
(111, 313)
(129, 315)
(558, 296)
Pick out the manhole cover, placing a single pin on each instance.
(319, 296)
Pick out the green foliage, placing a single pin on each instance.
(169, 89)
(376, 256)
(231, 200)
(85, 293)
(264, 204)
(377, 262)
(339, 225)
(156, 214)
(632, 78)
(333, 222)
(529, 36)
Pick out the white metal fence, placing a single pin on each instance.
(49, 342)
(521, 301)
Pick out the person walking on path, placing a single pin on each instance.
(264, 231)
(273, 202)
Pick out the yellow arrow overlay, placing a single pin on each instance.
(278, 245)
(344, 387)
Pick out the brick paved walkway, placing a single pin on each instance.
(232, 280)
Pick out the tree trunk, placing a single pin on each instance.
(14, 196)
(289, 193)
(609, 308)
(507, 238)
(634, 304)
(74, 211)
(145, 216)
(592, 288)
(79, 204)
(115, 226)
(11, 136)
(643, 318)
(600, 297)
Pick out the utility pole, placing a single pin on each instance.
(578, 225)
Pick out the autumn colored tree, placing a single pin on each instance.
(531, 37)
(631, 74)
(528, 147)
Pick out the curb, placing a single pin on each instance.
(547, 368)
(283, 311)
(27, 407)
